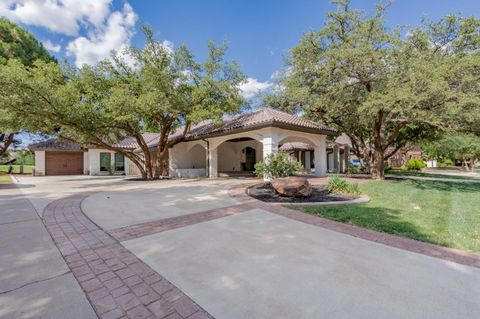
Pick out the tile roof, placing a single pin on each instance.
(58, 144)
(260, 117)
(131, 142)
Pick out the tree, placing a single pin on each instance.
(154, 89)
(16, 43)
(457, 146)
(382, 89)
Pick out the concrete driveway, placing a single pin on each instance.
(35, 282)
(261, 265)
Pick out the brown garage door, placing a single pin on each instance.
(63, 163)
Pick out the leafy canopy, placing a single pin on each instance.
(461, 146)
(382, 88)
(18, 43)
(153, 89)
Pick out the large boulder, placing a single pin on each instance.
(292, 186)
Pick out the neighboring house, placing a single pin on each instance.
(405, 154)
(208, 149)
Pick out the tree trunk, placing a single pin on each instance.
(377, 165)
(164, 163)
(7, 140)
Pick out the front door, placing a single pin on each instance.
(249, 159)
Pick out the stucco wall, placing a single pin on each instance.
(231, 157)
(188, 155)
(86, 163)
(39, 163)
(130, 168)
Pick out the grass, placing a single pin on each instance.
(27, 169)
(5, 178)
(439, 212)
(432, 175)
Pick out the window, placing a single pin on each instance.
(119, 162)
(105, 162)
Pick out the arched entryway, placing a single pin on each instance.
(238, 155)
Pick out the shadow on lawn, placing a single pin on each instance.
(380, 219)
(463, 187)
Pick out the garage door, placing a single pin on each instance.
(63, 163)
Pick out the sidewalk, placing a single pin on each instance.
(35, 282)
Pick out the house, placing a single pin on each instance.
(208, 149)
(403, 155)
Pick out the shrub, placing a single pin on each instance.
(351, 170)
(340, 185)
(277, 165)
(415, 164)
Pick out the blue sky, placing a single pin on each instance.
(259, 33)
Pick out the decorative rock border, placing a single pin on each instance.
(360, 199)
(459, 256)
(115, 281)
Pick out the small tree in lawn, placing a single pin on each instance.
(385, 90)
(277, 165)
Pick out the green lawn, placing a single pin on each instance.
(27, 169)
(444, 213)
(5, 178)
(435, 175)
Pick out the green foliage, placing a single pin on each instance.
(160, 89)
(449, 147)
(351, 170)
(415, 164)
(24, 157)
(340, 185)
(384, 89)
(277, 165)
(27, 169)
(387, 168)
(18, 43)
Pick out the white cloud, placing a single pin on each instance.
(252, 87)
(60, 16)
(102, 29)
(97, 45)
(50, 46)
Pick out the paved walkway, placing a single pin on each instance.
(224, 257)
(35, 282)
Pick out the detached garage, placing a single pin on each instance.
(59, 157)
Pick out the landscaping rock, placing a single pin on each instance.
(292, 186)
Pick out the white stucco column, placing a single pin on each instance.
(336, 159)
(213, 163)
(321, 158)
(270, 144)
(307, 161)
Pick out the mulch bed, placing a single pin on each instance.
(266, 193)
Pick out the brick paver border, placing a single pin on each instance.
(459, 256)
(153, 227)
(115, 281)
